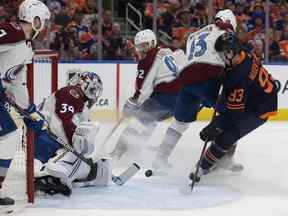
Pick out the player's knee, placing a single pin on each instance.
(8, 144)
(179, 126)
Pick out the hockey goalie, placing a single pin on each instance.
(67, 114)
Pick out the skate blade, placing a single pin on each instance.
(18, 207)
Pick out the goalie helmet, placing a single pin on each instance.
(31, 11)
(227, 16)
(90, 84)
(144, 41)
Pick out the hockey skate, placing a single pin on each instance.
(228, 163)
(6, 204)
(51, 185)
(161, 166)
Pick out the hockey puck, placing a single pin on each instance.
(148, 173)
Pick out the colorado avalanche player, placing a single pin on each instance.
(67, 113)
(200, 85)
(15, 53)
(156, 89)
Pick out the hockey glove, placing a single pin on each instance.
(211, 132)
(130, 108)
(36, 121)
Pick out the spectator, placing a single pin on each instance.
(274, 47)
(107, 23)
(168, 19)
(182, 28)
(114, 44)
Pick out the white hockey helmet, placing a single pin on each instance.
(227, 16)
(30, 10)
(91, 85)
(145, 40)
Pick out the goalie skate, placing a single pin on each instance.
(51, 185)
(6, 205)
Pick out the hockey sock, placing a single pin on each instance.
(169, 142)
(212, 156)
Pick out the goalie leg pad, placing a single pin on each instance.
(67, 167)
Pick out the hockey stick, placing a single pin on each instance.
(93, 172)
(116, 126)
(194, 178)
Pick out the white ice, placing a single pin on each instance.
(261, 189)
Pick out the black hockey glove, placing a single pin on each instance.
(130, 108)
(211, 132)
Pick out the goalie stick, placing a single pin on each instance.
(119, 180)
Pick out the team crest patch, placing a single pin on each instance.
(74, 93)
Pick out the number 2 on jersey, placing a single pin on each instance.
(198, 46)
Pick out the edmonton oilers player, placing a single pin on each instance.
(249, 98)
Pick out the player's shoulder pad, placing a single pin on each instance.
(11, 33)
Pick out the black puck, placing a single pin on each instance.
(148, 173)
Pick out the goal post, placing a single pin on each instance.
(42, 80)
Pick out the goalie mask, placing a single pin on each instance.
(91, 85)
(36, 13)
(144, 41)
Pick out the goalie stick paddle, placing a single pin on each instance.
(126, 175)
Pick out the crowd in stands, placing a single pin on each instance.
(73, 30)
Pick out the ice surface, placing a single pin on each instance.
(262, 188)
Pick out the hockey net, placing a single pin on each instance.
(42, 80)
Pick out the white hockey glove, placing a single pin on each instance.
(130, 108)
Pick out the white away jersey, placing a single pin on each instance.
(15, 53)
(200, 46)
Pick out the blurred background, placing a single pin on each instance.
(104, 29)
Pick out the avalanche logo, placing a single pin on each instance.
(11, 73)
